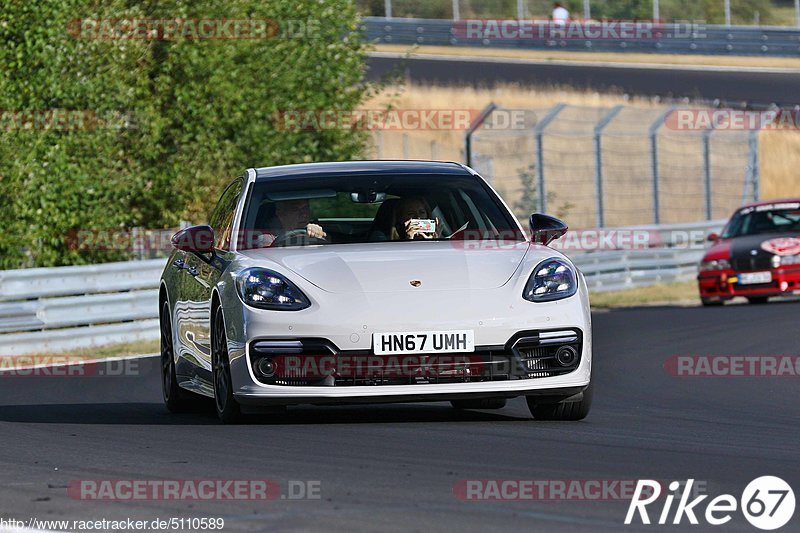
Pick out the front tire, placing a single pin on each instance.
(757, 299)
(228, 409)
(176, 399)
(711, 303)
(566, 409)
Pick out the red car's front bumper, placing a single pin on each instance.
(724, 284)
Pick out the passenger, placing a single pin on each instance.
(411, 207)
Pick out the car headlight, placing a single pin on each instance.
(716, 264)
(783, 260)
(552, 279)
(265, 289)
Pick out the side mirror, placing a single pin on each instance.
(545, 229)
(713, 237)
(197, 239)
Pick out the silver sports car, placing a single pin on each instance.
(372, 281)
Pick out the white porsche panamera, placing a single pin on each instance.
(372, 281)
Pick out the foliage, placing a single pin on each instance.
(175, 120)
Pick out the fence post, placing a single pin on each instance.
(598, 162)
(755, 172)
(456, 11)
(537, 132)
(797, 12)
(434, 151)
(405, 146)
(477, 123)
(726, 6)
(379, 143)
(387, 4)
(707, 170)
(654, 162)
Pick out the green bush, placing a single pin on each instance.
(175, 119)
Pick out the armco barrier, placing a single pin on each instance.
(47, 310)
(677, 38)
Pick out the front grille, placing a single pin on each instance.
(317, 362)
(752, 263)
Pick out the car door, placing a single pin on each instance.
(201, 273)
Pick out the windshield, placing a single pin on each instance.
(363, 209)
(773, 218)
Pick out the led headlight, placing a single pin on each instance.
(716, 264)
(265, 289)
(552, 279)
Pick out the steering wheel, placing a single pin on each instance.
(295, 233)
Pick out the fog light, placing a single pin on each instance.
(566, 355)
(266, 367)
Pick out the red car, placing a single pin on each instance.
(756, 256)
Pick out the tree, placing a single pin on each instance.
(168, 122)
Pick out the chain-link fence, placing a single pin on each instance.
(738, 12)
(603, 166)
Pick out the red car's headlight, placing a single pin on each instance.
(715, 264)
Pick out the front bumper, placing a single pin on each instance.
(348, 324)
(723, 285)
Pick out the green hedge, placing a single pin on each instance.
(172, 120)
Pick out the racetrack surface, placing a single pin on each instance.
(732, 87)
(393, 467)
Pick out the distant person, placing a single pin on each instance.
(560, 14)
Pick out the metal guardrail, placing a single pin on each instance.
(672, 38)
(48, 310)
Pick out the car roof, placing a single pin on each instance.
(309, 170)
(772, 201)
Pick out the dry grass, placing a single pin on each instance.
(89, 354)
(118, 350)
(569, 153)
(596, 57)
(684, 293)
(780, 163)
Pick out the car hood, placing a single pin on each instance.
(783, 243)
(392, 266)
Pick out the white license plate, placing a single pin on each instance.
(411, 342)
(752, 278)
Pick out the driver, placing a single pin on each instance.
(291, 215)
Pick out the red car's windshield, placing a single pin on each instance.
(756, 220)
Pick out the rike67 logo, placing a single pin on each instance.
(767, 503)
